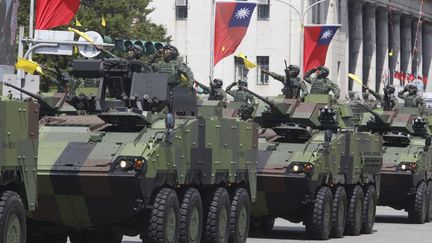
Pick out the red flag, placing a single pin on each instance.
(53, 13)
(231, 23)
(397, 75)
(317, 39)
(410, 77)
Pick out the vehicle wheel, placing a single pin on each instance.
(354, 212)
(191, 216)
(417, 208)
(339, 208)
(369, 210)
(12, 218)
(318, 224)
(216, 217)
(239, 216)
(164, 225)
(429, 208)
(95, 236)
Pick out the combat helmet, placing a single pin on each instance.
(136, 51)
(294, 70)
(217, 82)
(174, 51)
(323, 72)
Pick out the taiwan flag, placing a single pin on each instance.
(231, 23)
(53, 13)
(317, 39)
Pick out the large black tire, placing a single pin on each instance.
(318, 223)
(191, 216)
(339, 208)
(355, 210)
(418, 205)
(429, 209)
(93, 236)
(164, 225)
(369, 210)
(216, 216)
(12, 218)
(239, 216)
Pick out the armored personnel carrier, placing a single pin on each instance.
(314, 169)
(18, 159)
(142, 158)
(406, 175)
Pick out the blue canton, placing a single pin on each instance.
(326, 34)
(242, 21)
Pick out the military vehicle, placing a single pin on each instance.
(18, 159)
(141, 157)
(406, 175)
(312, 168)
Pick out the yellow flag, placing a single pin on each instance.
(247, 63)
(83, 35)
(75, 50)
(355, 78)
(103, 22)
(77, 23)
(28, 66)
(391, 53)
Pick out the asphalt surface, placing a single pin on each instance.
(391, 226)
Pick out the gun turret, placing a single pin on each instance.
(377, 124)
(277, 114)
(46, 108)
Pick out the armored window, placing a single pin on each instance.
(240, 70)
(262, 78)
(263, 9)
(181, 7)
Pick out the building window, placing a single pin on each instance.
(263, 62)
(263, 9)
(181, 9)
(240, 70)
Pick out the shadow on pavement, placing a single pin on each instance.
(282, 233)
(392, 219)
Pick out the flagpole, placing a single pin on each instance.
(31, 23)
(212, 35)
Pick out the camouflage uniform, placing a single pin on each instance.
(215, 91)
(321, 84)
(292, 83)
(179, 72)
(411, 99)
(388, 100)
(240, 94)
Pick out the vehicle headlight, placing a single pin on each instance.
(129, 163)
(298, 168)
(407, 166)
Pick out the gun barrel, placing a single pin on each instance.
(376, 115)
(23, 91)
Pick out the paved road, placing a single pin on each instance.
(391, 227)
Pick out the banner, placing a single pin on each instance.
(53, 13)
(231, 23)
(317, 39)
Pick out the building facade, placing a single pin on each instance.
(376, 39)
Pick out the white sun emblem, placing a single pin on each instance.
(242, 13)
(327, 35)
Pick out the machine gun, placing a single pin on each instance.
(377, 124)
(48, 106)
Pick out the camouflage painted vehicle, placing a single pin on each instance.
(143, 158)
(18, 159)
(406, 175)
(312, 168)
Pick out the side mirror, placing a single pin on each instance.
(328, 135)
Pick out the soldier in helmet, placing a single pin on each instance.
(240, 94)
(321, 84)
(179, 72)
(412, 99)
(134, 52)
(215, 91)
(292, 83)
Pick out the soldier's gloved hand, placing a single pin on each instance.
(265, 71)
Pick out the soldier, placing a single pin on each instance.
(179, 72)
(411, 99)
(215, 91)
(292, 83)
(239, 94)
(388, 101)
(134, 52)
(321, 84)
